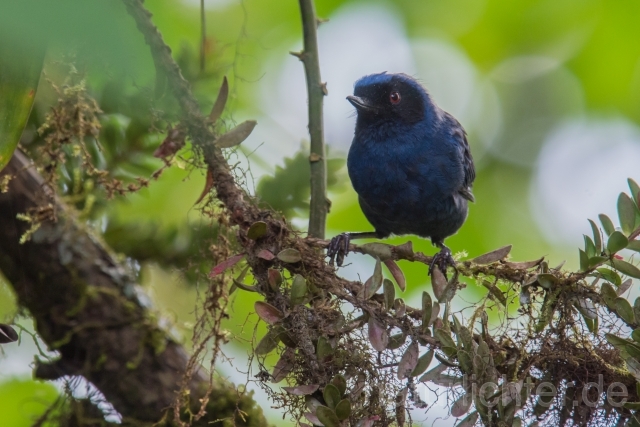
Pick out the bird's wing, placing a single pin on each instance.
(460, 136)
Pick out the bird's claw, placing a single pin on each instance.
(338, 248)
(442, 260)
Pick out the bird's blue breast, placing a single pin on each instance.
(407, 179)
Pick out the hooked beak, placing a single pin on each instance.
(361, 104)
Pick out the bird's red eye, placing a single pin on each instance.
(394, 97)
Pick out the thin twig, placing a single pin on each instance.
(316, 91)
(203, 36)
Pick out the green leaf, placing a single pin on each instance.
(327, 417)
(236, 135)
(636, 335)
(427, 306)
(609, 295)
(625, 268)
(616, 341)
(597, 260)
(343, 409)
(323, 349)
(492, 256)
(298, 290)
(331, 395)
(627, 211)
(636, 308)
(634, 245)
(19, 76)
(341, 383)
(389, 294)
(375, 281)
(397, 273)
(610, 276)
(617, 241)
(377, 250)
(448, 345)
(597, 238)
(409, 361)
(268, 313)
(461, 405)
(396, 341)
(589, 246)
(584, 260)
(289, 255)
(257, 230)
(635, 191)
(221, 101)
(268, 343)
(423, 363)
(607, 224)
(623, 308)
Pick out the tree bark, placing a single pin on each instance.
(85, 306)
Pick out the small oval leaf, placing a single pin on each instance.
(266, 255)
(438, 283)
(268, 343)
(597, 237)
(396, 341)
(284, 365)
(617, 241)
(289, 255)
(624, 287)
(427, 307)
(226, 264)
(389, 294)
(378, 335)
(343, 409)
(625, 268)
(377, 250)
(298, 290)
(461, 405)
(423, 363)
(268, 313)
(257, 230)
(524, 265)
(626, 213)
(373, 284)
(327, 417)
(331, 395)
(397, 274)
(607, 224)
(341, 383)
(221, 101)
(275, 278)
(493, 256)
(625, 311)
(236, 135)
(408, 361)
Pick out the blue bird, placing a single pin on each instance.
(410, 164)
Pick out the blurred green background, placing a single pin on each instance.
(549, 92)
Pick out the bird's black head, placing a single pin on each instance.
(389, 97)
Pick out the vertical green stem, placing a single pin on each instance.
(203, 37)
(316, 91)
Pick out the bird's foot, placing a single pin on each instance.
(338, 248)
(442, 260)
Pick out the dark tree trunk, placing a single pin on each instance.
(84, 305)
